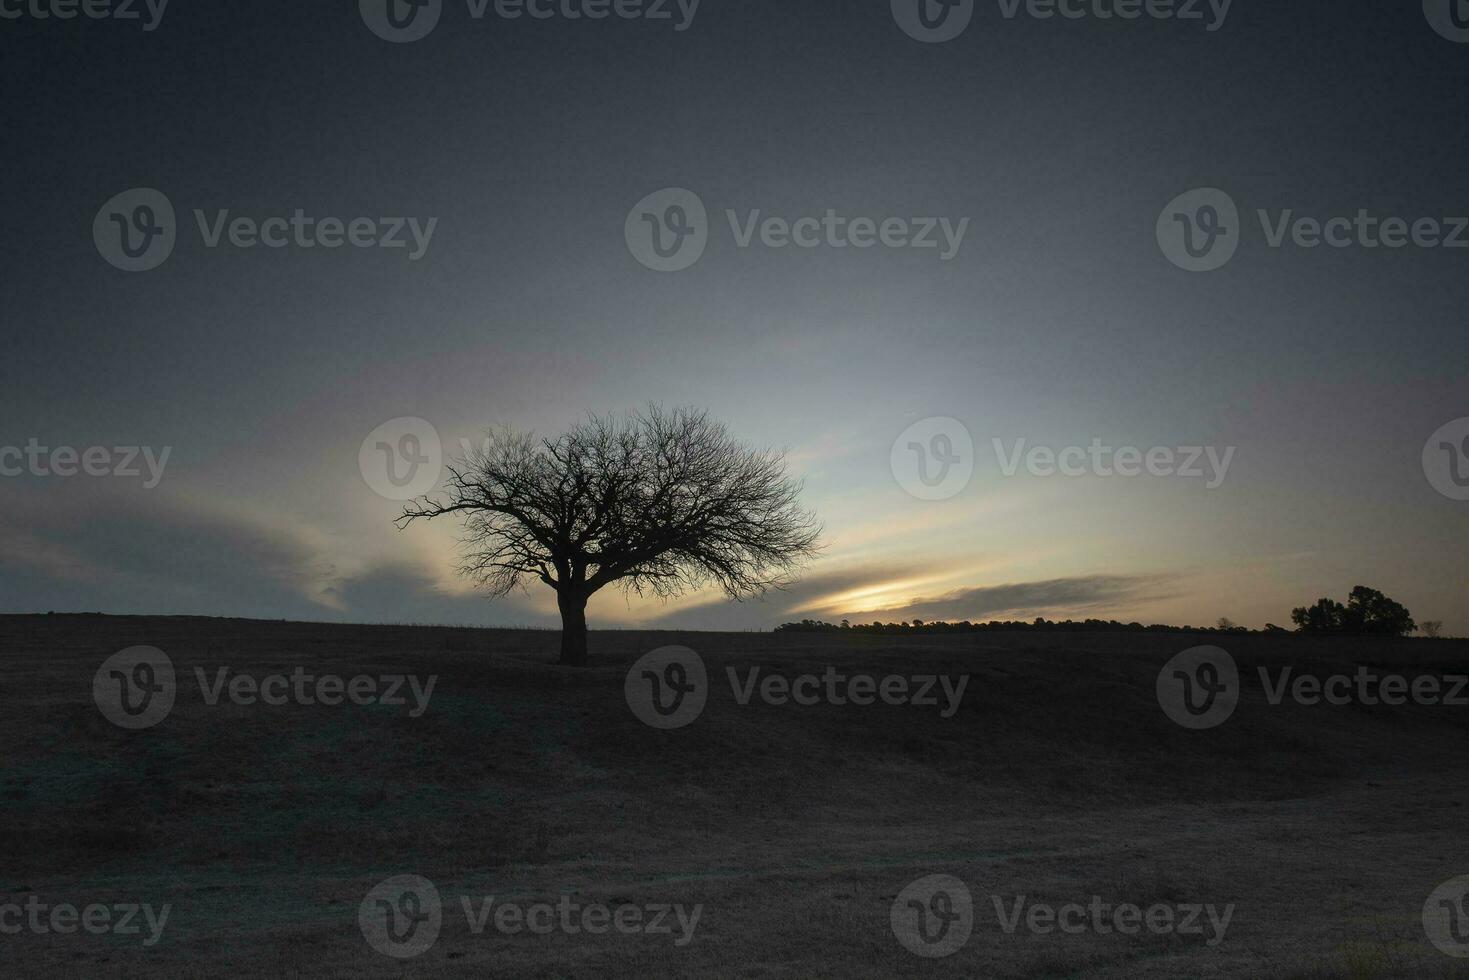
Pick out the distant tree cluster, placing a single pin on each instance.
(1367, 612)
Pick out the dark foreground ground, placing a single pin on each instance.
(1060, 779)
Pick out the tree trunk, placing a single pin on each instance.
(573, 628)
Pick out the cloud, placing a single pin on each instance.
(76, 548)
(779, 606)
(407, 593)
(1053, 598)
(81, 548)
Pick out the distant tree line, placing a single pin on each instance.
(1367, 612)
(1038, 624)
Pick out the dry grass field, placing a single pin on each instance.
(794, 827)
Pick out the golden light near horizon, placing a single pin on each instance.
(891, 594)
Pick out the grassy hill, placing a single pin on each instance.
(1059, 778)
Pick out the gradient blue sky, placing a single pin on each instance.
(1060, 320)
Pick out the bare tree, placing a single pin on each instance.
(1431, 628)
(660, 502)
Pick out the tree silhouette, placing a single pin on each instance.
(1326, 616)
(1367, 611)
(659, 502)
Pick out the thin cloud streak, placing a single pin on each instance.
(1052, 598)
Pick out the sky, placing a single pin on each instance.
(531, 152)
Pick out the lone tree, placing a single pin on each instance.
(660, 502)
